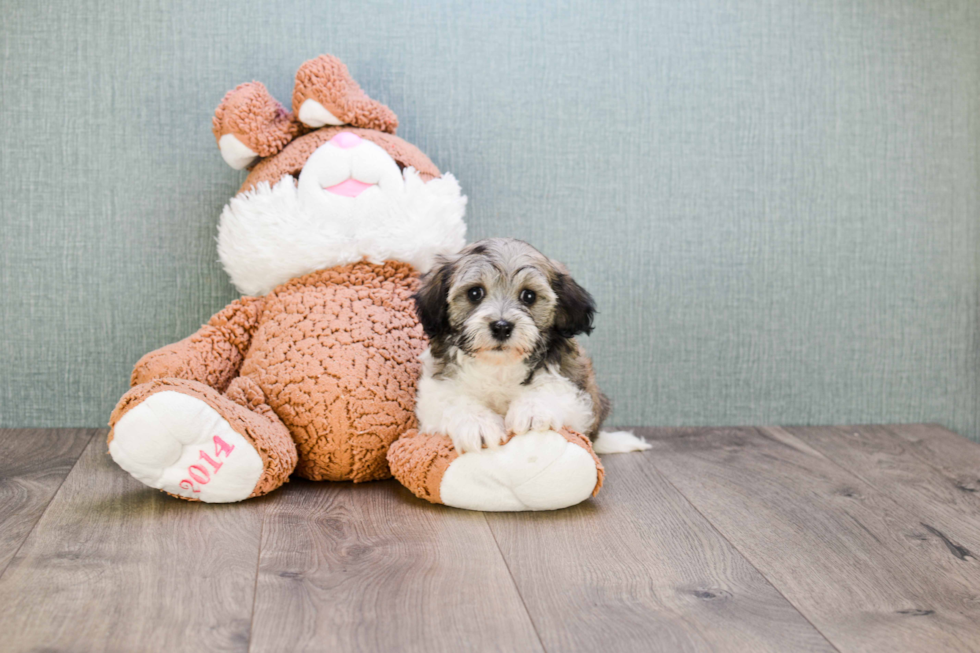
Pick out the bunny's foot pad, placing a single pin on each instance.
(199, 445)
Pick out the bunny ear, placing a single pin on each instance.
(326, 94)
(249, 123)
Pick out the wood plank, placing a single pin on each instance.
(945, 503)
(638, 569)
(115, 566)
(858, 565)
(369, 567)
(33, 465)
(945, 450)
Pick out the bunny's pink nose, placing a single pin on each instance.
(345, 140)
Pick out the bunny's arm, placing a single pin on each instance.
(212, 355)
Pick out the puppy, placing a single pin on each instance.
(501, 320)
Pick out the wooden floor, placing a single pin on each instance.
(739, 539)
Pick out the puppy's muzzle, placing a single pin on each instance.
(501, 330)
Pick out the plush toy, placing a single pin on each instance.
(313, 371)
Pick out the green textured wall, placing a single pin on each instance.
(775, 203)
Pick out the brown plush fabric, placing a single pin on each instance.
(336, 356)
(582, 441)
(293, 157)
(326, 80)
(212, 355)
(255, 118)
(420, 460)
(245, 411)
(328, 361)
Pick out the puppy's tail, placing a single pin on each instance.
(619, 442)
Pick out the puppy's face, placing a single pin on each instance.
(501, 300)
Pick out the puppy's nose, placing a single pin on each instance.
(501, 329)
(345, 140)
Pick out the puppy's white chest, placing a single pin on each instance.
(495, 385)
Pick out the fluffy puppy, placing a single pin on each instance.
(501, 318)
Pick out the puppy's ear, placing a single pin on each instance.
(432, 300)
(576, 308)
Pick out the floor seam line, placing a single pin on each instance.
(514, 583)
(255, 585)
(746, 558)
(48, 505)
(901, 507)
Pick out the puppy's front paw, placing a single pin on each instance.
(471, 431)
(532, 415)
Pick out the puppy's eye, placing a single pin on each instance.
(528, 297)
(475, 294)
